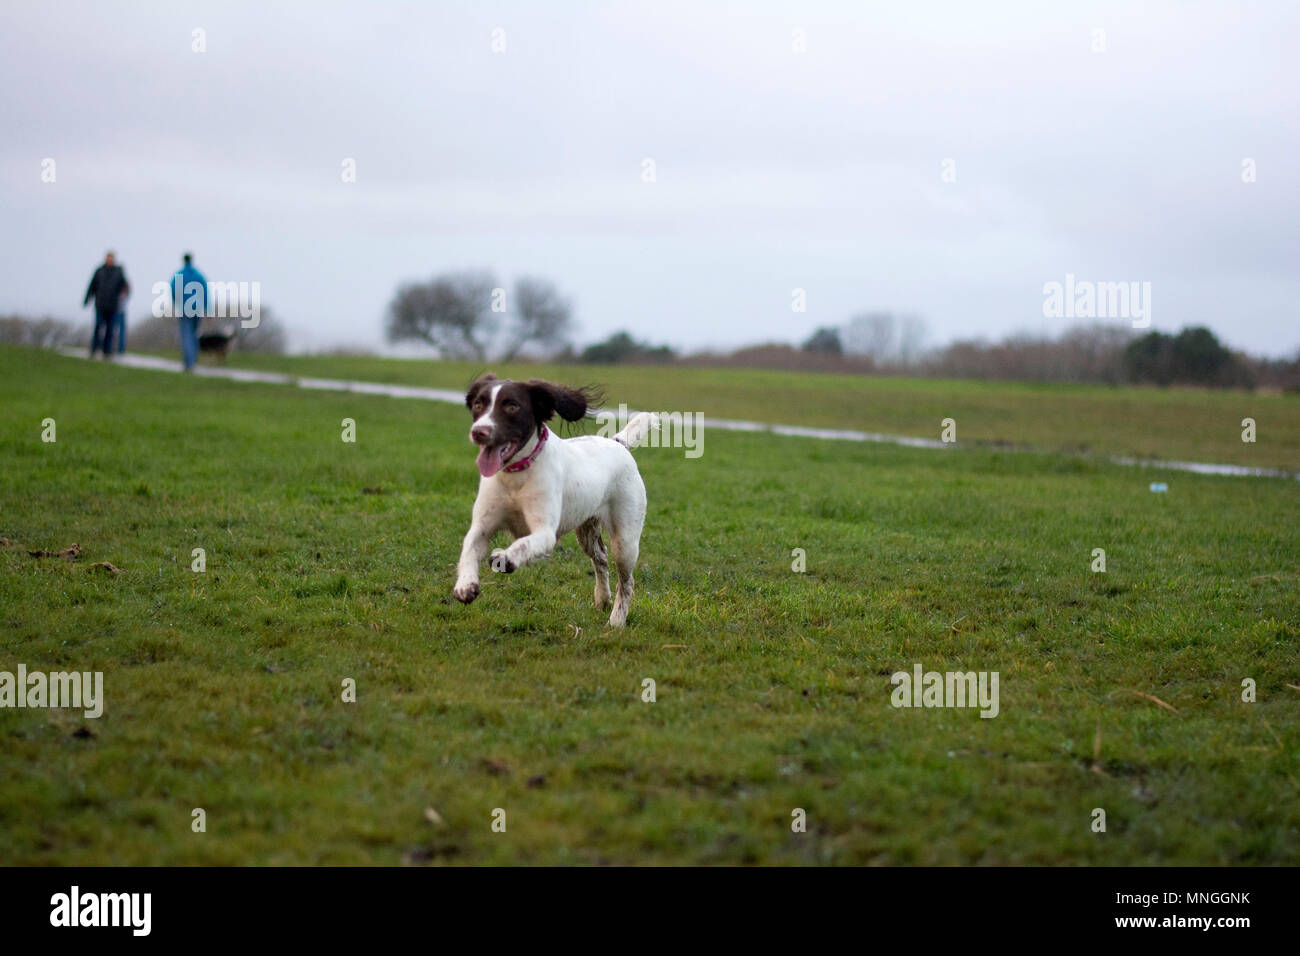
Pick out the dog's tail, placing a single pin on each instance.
(638, 429)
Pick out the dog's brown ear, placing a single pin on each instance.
(571, 404)
(476, 386)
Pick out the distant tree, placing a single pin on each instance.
(1082, 353)
(1279, 373)
(621, 347)
(826, 339)
(872, 334)
(1094, 352)
(46, 333)
(158, 333)
(1199, 356)
(162, 333)
(1194, 356)
(911, 338)
(541, 316)
(616, 348)
(451, 312)
(269, 337)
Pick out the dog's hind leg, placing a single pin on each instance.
(627, 518)
(625, 544)
(625, 547)
(589, 540)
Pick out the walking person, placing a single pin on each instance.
(108, 287)
(190, 297)
(119, 321)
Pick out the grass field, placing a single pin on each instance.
(328, 561)
(1177, 424)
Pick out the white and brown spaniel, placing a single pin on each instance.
(539, 486)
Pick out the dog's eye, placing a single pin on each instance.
(512, 407)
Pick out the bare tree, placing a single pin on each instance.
(1084, 353)
(871, 334)
(46, 332)
(911, 338)
(451, 312)
(541, 316)
(161, 333)
(268, 337)
(157, 333)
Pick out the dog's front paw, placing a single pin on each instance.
(465, 593)
(501, 562)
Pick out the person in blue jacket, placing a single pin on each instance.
(190, 298)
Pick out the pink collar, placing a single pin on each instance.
(527, 460)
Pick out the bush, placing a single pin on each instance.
(826, 340)
(1194, 356)
(621, 347)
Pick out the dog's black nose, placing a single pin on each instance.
(480, 434)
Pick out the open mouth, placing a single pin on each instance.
(492, 459)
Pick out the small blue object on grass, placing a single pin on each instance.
(1159, 486)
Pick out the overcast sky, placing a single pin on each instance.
(776, 170)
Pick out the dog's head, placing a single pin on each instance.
(505, 415)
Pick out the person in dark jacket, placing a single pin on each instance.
(108, 287)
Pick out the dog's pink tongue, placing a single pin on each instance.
(489, 461)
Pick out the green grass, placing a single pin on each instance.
(329, 561)
(1177, 424)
